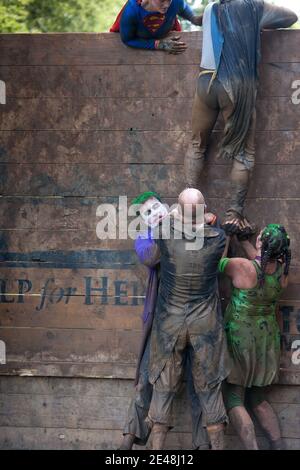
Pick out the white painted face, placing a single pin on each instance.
(152, 212)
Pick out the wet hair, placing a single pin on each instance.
(275, 245)
(143, 197)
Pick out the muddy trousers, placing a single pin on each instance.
(210, 100)
(168, 383)
(140, 403)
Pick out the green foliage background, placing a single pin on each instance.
(42, 16)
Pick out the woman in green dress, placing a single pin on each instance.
(252, 330)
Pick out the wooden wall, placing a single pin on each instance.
(86, 120)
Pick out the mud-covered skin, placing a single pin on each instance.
(253, 333)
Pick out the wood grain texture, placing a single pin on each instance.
(87, 118)
(59, 413)
(167, 114)
(107, 49)
(142, 81)
(92, 180)
(123, 147)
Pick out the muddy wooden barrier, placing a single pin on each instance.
(86, 120)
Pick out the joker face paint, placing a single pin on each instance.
(152, 212)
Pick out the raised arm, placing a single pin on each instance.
(249, 249)
(147, 251)
(277, 17)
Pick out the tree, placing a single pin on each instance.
(13, 14)
(58, 15)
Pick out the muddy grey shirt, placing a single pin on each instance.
(188, 298)
(273, 17)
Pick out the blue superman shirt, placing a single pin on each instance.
(140, 28)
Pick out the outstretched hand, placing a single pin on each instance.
(172, 45)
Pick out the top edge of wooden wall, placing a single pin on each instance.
(107, 49)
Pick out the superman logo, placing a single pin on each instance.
(154, 21)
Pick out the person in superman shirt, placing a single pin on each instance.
(145, 24)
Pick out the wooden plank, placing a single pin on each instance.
(31, 281)
(78, 439)
(279, 46)
(283, 394)
(46, 249)
(96, 283)
(79, 241)
(121, 81)
(50, 240)
(70, 345)
(80, 213)
(106, 413)
(112, 370)
(87, 49)
(58, 387)
(13, 244)
(105, 48)
(168, 147)
(233, 443)
(86, 387)
(137, 81)
(60, 292)
(69, 412)
(75, 314)
(278, 113)
(90, 180)
(50, 338)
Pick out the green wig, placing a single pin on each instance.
(275, 245)
(141, 198)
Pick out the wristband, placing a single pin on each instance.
(222, 264)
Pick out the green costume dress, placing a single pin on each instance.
(253, 333)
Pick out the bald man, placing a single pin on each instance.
(188, 318)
